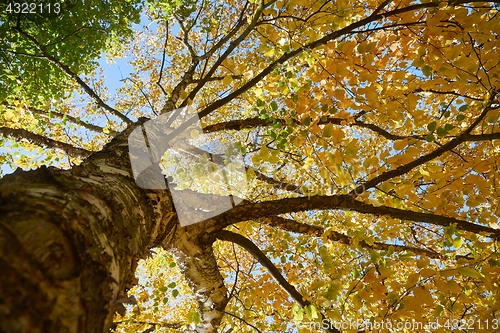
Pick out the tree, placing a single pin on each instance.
(370, 132)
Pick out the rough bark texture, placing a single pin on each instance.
(69, 240)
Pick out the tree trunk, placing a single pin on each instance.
(69, 241)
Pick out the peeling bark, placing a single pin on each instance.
(69, 238)
(69, 241)
(197, 262)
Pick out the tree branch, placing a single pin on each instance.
(197, 263)
(39, 140)
(65, 69)
(70, 118)
(257, 122)
(230, 48)
(322, 41)
(481, 137)
(273, 270)
(338, 202)
(422, 159)
(244, 321)
(240, 124)
(335, 236)
(283, 59)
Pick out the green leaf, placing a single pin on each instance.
(374, 256)
(457, 243)
(328, 130)
(470, 272)
(431, 126)
(441, 131)
(175, 293)
(406, 256)
(427, 70)
(314, 312)
(172, 285)
(439, 311)
(273, 106)
(193, 317)
(494, 262)
(297, 312)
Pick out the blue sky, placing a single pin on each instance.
(113, 73)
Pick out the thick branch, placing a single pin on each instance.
(273, 270)
(339, 202)
(197, 263)
(482, 137)
(240, 124)
(40, 140)
(175, 95)
(257, 122)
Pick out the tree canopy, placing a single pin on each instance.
(370, 132)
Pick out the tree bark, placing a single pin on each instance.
(69, 240)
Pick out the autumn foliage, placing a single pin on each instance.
(371, 135)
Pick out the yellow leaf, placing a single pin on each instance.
(400, 144)
(9, 114)
(427, 272)
(337, 135)
(441, 285)
(423, 172)
(423, 295)
(470, 272)
(328, 130)
(46, 106)
(227, 80)
(269, 53)
(422, 263)
(347, 47)
(454, 287)
(308, 162)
